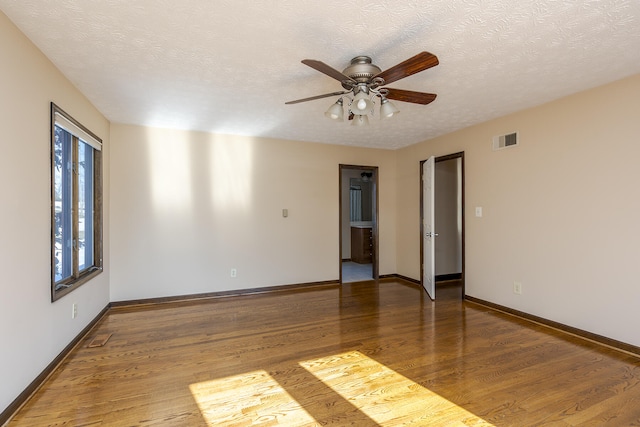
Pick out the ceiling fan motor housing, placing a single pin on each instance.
(361, 70)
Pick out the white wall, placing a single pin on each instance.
(33, 330)
(560, 211)
(187, 207)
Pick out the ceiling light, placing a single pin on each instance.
(362, 82)
(361, 104)
(360, 120)
(336, 112)
(387, 108)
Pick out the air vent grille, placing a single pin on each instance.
(505, 141)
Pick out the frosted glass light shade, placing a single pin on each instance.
(335, 112)
(387, 109)
(360, 120)
(361, 104)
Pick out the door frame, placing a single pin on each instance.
(374, 220)
(452, 156)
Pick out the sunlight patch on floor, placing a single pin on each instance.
(380, 393)
(252, 398)
(385, 396)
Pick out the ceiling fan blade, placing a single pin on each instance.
(325, 69)
(415, 64)
(326, 95)
(410, 96)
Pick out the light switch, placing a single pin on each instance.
(479, 211)
(285, 213)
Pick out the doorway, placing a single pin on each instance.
(358, 223)
(442, 241)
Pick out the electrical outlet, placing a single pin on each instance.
(517, 288)
(234, 272)
(74, 310)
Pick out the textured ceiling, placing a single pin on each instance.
(228, 66)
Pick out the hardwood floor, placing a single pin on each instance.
(361, 354)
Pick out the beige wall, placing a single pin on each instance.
(33, 330)
(187, 207)
(560, 211)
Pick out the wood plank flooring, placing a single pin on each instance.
(361, 354)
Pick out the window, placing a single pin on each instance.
(76, 206)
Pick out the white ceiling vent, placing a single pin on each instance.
(505, 141)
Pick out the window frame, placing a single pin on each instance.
(78, 133)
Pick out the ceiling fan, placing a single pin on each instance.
(362, 82)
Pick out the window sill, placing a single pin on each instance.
(74, 284)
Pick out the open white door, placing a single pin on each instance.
(428, 219)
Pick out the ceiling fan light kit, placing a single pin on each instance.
(363, 83)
